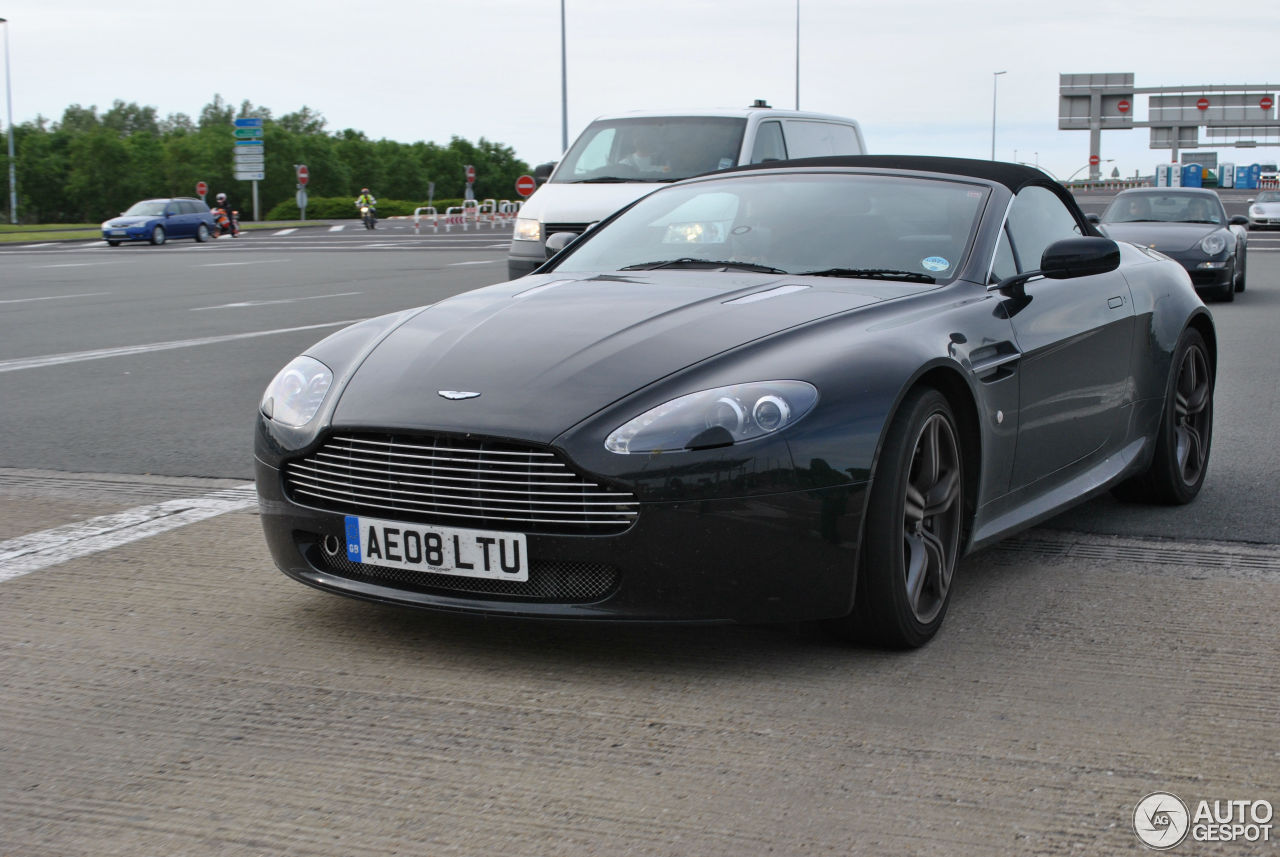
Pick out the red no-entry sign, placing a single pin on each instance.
(304, 175)
(201, 189)
(1123, 105)
(1094, 160)
(1202, 104)
(525, 185)
(471, 174)
(1266, 102)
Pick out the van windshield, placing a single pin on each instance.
(653, 149)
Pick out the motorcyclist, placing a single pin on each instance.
(220, 203)
(366, 198)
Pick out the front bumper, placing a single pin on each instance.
(1206, 277)
(777, 557)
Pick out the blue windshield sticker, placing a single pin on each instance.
(353, 538)
(935, 263)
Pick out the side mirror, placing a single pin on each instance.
(1066, 260)
(1238, 220)
(1079, 257)
(542, 172)
(557, 241)
(1093, 218)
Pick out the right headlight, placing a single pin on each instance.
(718, 417)
(294, 396)
(528, 229)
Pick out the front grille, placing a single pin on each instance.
(553, 228)
(457, 481)
(563, 582)
(1207, 277)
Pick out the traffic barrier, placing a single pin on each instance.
(455, 215)
(1107, 184)
(426, 212)
(1269, 184)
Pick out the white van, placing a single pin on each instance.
(618, 159)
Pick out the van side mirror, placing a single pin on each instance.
(557, 241)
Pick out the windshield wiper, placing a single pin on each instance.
(872, 273)
(608, 180)
(689, 262)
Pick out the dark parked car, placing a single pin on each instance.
(795, 391)
(1186, 224)
(158, 220)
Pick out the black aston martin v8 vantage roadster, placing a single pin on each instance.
(799, 390)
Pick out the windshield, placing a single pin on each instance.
(1172, 207)
(148, 208)
(889, 227)
(656, 149)
(1268, 196)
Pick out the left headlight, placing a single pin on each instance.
(718, 417)
(294, 396)
(1213, 244)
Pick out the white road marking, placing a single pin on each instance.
(51, 297)
(478, 262)
(338, 228)
(284, 232)
(35, 551)
(46, 244)
(258, 262)
(242, 304)
(72, 265)
(103, 353)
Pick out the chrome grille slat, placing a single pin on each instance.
(440, 502)
(452, 479)
(426, 467)
(539, 485)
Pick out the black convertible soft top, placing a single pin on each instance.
(1013, 176)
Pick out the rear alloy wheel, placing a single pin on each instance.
(1185, 435)
(915, 518)
(157, 235)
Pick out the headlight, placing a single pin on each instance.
(719, 417)
(295, 394)
(1257, 211)
(528, 229)
(1213, 244)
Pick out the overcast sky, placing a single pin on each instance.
(917, 74)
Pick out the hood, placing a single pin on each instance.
(1165, 237)
(546, 352)
(131, 220)
(557, 202)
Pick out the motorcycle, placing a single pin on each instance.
(224, 222)
(369, 215)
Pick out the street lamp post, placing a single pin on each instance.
(995, 78)
(8, 92)
(564, 87)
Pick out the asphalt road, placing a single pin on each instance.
(163, 690)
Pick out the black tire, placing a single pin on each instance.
(202, 233)
(158, 235)
(113, 243)
(1240, 272)
(1185, 434)
(913, 533)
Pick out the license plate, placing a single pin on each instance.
(437, 550)
(117, 232)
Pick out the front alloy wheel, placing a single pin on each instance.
(915, 520)
(157, 235)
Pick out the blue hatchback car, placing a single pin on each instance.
(158, 220)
